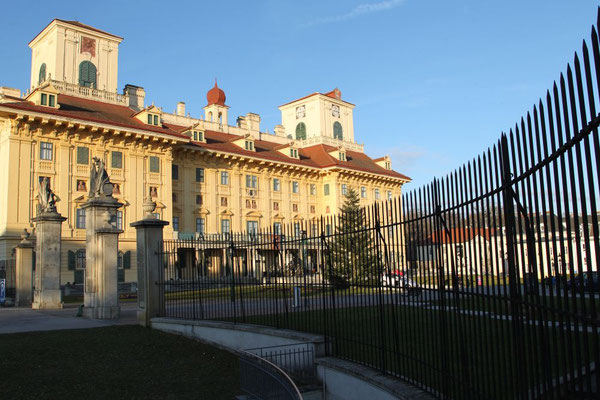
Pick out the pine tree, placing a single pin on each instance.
(354, 254)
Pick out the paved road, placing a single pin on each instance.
(21, 319)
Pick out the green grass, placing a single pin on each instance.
(478, 352)
(118, 362)
(78, 299)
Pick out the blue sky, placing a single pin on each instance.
(434, 81)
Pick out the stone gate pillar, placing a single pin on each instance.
(149, 240)
(48, 225)
(24, 270)
(101, 296)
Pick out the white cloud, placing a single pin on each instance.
(359, 10)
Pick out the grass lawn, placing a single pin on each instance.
(476, 354)
(118, 362)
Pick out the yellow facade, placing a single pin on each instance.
(200, 171)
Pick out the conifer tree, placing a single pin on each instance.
(354, 255)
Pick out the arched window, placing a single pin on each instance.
(337, 131)
(301, 131)
(210, 117)
(87, 74)
(80, 259)
(42, 73)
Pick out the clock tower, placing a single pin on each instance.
(319, 115)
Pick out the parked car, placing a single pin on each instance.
(392, 278)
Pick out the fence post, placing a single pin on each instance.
(23, 271)
(515, 297)
(149, 232)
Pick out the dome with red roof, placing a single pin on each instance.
(215, 96)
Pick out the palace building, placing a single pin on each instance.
(205, 174)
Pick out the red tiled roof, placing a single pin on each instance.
(111, 114)
(460, 235)
(78, 24)
(329, 94)
(96, 111)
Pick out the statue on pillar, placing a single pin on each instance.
(46, 198)
(100, 185)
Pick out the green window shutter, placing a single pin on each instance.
(83, 155)
(117, 159)
(42, 77)
(301, 131)
(79, 276)
(120, 275)
(337, 131)
(154, 164)
(127, 260)
(87, 74)
(156, 120)
(150, 119)
(71, 263)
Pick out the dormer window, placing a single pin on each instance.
(153, 119)
(294, 153)
(342, 156)
(249, 145)
(48, 100)
(198, 136)
(388, 165)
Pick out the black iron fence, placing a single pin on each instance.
(482, 284)
(262, 379)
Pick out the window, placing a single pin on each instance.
(337, 131)
(199, 174)
(225, 225)
(277, 228)
(377, 196)
(154, 164)
(51, 100)
(389, 194)
(175, 172)
(328, 229)
(388, 165)
(294, 153)
(313, 189)
(174, 197)
(87, 74)
(301, 131)
(45, 151)
(363, 192)
(199, 136)
(223, 201)
(276, 184)
(116, 159)
(83, 155)
(251, 181)
(326, 189)
(295, 207)
(224, 178)
(44, 99)
(252, 227)
(42, 76)
(80, 221)
(276, 206)
(297, 231)
(295, 187)
(249, 145)
(80, 259)
(199, 199)
(156, 120)
(344, 189)
(342, 156)
(149, 119)
(175, 223)
(200, 225)
(81, 186)
(119, 220)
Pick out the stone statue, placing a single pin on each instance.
(100, 184)
(46, 197)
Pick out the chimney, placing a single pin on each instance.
(181, 109)
(136, 95)
(253, 121)
(279, 130)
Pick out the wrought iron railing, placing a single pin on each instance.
(263, 380)
(481, 284)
